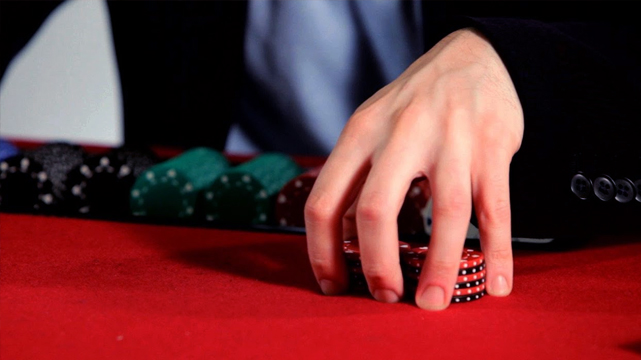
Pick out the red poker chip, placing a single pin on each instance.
(467, 298)
(471, 277)
(290, 202)
(351, 250)
(469, 291)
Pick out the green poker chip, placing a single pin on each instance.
(170, 189)
(246, 194)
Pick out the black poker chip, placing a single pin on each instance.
(24, 185)
(34, 180)
(100, 185)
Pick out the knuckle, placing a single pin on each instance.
(376, 274)
(321, 265)
(318, 209)
(361, 119)
(370, 210)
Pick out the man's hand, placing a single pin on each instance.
(454, 117)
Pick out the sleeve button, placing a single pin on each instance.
(581, 186)
(625, 191)
(604, 188)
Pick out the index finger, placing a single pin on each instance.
(334, 191)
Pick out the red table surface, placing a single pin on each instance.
(84, 289)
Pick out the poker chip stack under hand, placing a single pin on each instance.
(470, 284)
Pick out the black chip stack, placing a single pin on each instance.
(100, 185)
(470, 283)
(35, 180)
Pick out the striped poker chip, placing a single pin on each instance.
(474, 277)
(467, 285)
(469, 290)
(246, 194)
(289, 210)
(467, 298)
(169, 190)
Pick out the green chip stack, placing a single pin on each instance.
(170, 189)
(246, 193)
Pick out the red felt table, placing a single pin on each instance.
(87, 289)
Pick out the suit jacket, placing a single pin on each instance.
(575, 68)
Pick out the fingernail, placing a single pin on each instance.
(387, 296)
(499, 286)
(433, 298)
(328, 287)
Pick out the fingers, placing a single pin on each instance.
(376, 220)
(492, 207)
(452, 207)
(334, 191)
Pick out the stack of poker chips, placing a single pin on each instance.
(290, 202)
(35, 180)
(171, 188)
(470, 283)
(100, 185)
(245, 194)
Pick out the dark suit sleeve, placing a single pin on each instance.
(19, 21)
(577, 77)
